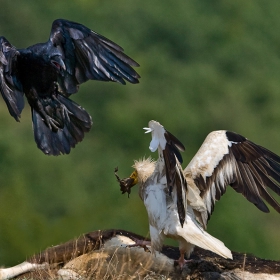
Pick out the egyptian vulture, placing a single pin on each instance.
(48, 73)
(179, 202)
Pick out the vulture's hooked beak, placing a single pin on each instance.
(127, 183)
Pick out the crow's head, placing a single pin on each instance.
(50, 54)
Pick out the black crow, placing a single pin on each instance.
(48, 73)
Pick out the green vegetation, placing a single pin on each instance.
(205, 65)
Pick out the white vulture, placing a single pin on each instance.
(179, 202)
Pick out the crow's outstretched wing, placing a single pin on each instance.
(88, 55)
(10, 87)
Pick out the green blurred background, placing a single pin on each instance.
(205, 65)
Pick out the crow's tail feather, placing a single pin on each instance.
(73, 122)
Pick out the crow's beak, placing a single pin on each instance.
(58, 62)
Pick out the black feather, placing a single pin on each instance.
(174, 175)
(234, 137)
(48, 73)
(75, 122)
(10, 88)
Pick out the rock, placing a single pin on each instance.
(106, 255)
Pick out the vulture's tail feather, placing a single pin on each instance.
(194, 234)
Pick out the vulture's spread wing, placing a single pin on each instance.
(226, 158)
(88, 55)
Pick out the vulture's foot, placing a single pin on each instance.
(182, 261)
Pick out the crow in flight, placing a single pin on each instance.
(48, 73)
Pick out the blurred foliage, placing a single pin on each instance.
(205, 65)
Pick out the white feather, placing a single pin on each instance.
(212, 151)
(155, 202)
(158, 139)
(194, 234)
(162, 208)
(164, 220)
(157, 238)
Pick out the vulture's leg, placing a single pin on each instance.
(182, 261)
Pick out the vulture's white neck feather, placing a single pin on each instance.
(145, 168)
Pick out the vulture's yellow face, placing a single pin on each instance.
(134, 177)
(143, 169)
(127, 183)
